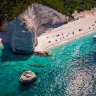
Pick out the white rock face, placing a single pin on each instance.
(49, 18)
(77, 15)
(22, 32)
(35, 20)
(94, 13)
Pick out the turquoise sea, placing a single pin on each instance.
(71, 71)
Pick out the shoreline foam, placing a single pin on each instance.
(59, 43)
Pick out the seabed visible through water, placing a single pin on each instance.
(71, 71)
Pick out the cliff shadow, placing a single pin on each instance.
(50, 25)
(8, 55)
(47, 26)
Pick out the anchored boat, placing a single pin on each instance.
(94, 38)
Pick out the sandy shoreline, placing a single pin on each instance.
(69, 39)
(65, 33)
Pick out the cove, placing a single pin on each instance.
(58, 74)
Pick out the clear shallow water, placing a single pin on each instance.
(59, 76)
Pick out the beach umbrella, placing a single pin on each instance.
(57, 35)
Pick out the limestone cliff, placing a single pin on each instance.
(22, 31)
(36, 19)
(49, 18)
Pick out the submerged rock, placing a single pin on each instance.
(44, 53)
(36, 65)
(28, 77)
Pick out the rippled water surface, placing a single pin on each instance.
(71, 71)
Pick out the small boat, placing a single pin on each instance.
(72, 32)
(94, 38)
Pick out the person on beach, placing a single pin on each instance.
(73, 32)
(49, 41)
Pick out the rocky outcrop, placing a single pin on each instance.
(35, 20)
(3, 25)
(44, 53)
(77, 15)
(22, 31)
(94, 13)
(49, 18)
(28, 77)
(82, 14)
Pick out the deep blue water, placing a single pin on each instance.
(71, 62)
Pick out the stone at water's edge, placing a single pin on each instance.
(44, 53)
(28, 77)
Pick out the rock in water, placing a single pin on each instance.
(22, 32)
(28, 77)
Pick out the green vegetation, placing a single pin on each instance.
(11, 8)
